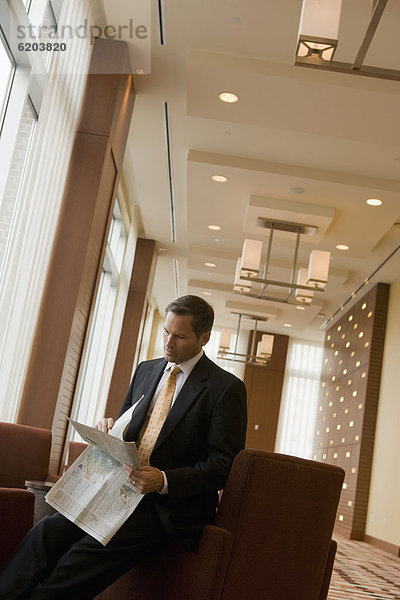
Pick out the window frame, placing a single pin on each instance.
(6, 101)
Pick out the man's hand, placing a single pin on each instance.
(105, 424)
(149, 479)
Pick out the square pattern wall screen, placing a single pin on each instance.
(348, 402)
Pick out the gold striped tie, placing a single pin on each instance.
(158, 416)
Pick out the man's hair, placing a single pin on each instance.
(202, 312)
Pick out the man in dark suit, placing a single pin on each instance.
(187, 450)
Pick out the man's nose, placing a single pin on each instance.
(169, 341)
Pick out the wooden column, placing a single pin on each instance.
(264, 391)
(80, 242)
(133, 324)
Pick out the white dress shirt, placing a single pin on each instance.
(185, 367)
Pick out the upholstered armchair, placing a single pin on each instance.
(25, 454)
(271, 539)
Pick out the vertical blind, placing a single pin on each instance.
(299, 399)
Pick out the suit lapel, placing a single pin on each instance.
(189, 393)
(146, 388)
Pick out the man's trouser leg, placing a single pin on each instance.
(58, 560)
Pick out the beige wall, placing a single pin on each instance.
(383, 519)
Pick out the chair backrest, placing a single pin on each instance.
(25, 454)
(281, 510)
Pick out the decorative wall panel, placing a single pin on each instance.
(346, 415)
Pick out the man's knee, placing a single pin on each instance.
(55, 530)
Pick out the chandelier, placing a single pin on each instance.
(303, 282)
(259, 355)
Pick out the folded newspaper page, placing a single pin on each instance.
(123, 452)
(95, 493)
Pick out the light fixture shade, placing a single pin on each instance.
(265, 345)
(225, 339)
(251, 258)
(259, 358)
(319, 28)
(318, 268)
(303, 296)
(240, 285)
(316, 47)
(320, 18)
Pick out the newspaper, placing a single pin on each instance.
(95, 493)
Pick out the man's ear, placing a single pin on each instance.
(204, 338)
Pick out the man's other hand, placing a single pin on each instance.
(149, 479)
(105, 424)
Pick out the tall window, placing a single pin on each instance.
(20, 99)
(90, 399)
(299, 399)
(11, 196)
(37, 184)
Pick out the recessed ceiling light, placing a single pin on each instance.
(214, 227)
(342, 247)
(207, 293)
(228, 97)
(219, 178)
(374, 202)
(209, 264)
(297, 190)
(301, 307)
(287, 325)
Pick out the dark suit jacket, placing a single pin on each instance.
(204, 430)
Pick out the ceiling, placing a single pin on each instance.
(336, 136)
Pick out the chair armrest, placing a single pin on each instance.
(201, 574)
(178, 575)
(16, 509)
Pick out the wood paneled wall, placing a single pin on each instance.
(264, 391)
(348, 403)
(79, 245)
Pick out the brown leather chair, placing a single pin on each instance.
(25, 454)
(75, 449)
(271, 539)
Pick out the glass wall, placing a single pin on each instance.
(40, 100)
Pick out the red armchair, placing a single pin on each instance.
(25, 454)
(271, 539)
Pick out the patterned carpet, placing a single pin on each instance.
(362, 572)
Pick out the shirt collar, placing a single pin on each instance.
(187, 366)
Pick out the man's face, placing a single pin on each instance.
(180, 341)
